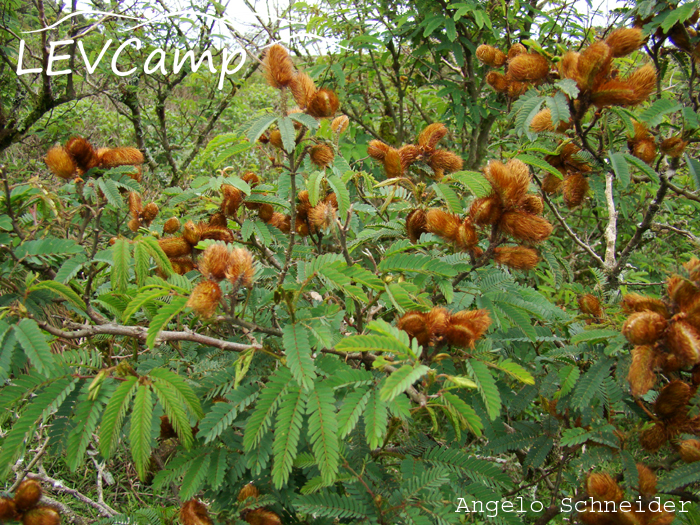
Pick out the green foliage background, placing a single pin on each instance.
(303, 384)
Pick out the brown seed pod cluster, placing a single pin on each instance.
(681, 34)
(603, 491)
(219, 262)
(321, 155)
(542, 121)
(281, 73)
(439, 327)
(309, 219)
(589, 305)
(598, 81)
(510, 208)
(642, 144)
(673, 419)
(141, 215)
(179, 249)
(666, 334)
(673, 146)
(25, 506)
(233, 197)
(574, 180)
(523, 68)
(78, 156)
(253, 513)
(397, 161)
(193, 512)
(450, 227)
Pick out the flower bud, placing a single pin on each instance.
(689, 450)
(517, 257)
(193, 512)
(60, 162)
(171, 225)
(644, 328)
(175, 246)
(83, 153)
(27, 494)
(41, 516)
(213, 262)
(205, 298)
(279, 69)
(323, 104)
(240, 269)
(340, 124)
(641, 375)
(321, 155)
(528, 67)
(121, 157)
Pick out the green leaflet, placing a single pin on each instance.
(113, 416)
(185, 393)
(287, 434)
(140, 434)
(270, 397)
(295, 339)
(286, 128)
(50, 398)
(353, 407)
(568, 375)
(32, 340)
(399, 381)
(218, 467)
(371, 343)
(87, 414)
(621, 168)
(121, 256)
(516, 371)
(194, 477)
(223, 414)
(323, 430)
(474, 181)
(342, 194)
(170, 400)
(142, 298)
(680, 477)
(258, 127)
(330, 506)
(141, 263)
(487, 386)
(466, 414)
(376, 420)
(590, 383)
(60, 289)
(540, 164)
(161, 320)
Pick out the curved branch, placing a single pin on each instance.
(141, 333)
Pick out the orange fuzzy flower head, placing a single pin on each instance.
(323, 104)
(641, 375)
(240, 269)
(214, 261)
(193, 512)
(464, 328)
(490, 55)
(321, 155)
(528, 67)
(517, 257)
(279, 69)
(205, 298)
(624, 41)
(60, 162)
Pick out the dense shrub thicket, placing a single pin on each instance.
(446, 273)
